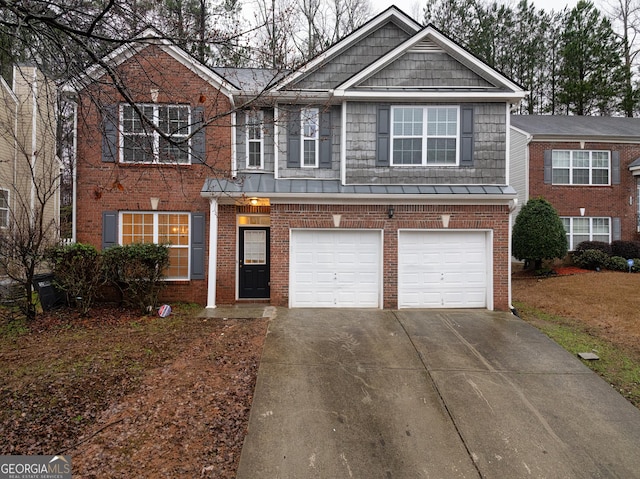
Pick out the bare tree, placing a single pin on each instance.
(29, 180)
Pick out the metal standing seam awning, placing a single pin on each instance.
(228, 191)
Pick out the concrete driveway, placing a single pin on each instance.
(430, 394)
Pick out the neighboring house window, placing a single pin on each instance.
(4, 208)
(255, 145)
(581, 229)
(310, 119)
(580, 167)
(161, 228)
(141, 142)
(425, 136)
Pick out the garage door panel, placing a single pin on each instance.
(345, 268)
(443, 269)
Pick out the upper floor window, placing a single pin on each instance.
(162, 228)
(255, 144)
(580, 167)
(581, 229)
(4, 208)
(141, 140)
(310, 118)
(424, 135)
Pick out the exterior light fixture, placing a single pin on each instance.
(253, 201)
(391, 212)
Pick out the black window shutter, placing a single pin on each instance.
(466, 136)
(293, 135)
(109, 229)
(325, 139)
(616, 233)
(383, 130)
(198, 151)
(109, 133)
(548, 167)
(615, 167)
(198, 252)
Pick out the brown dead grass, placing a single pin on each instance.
(606, 303)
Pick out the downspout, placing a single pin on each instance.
(276, 139)
(74, 174)
(34, 145)
(343, 145)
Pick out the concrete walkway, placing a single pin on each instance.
(430, 394)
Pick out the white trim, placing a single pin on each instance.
(570, 234)
(248, 141)
(381, 262)
(213, 253)
(354, 37)
(591, 168)
(156, 232)
(424, 137)
(507, 146)
(309, 113)
(134, 47)
(453, 96)
(7, 209)
(448, 46)
(276, 141)
(234, 149)
(343, 144)
(490, 256)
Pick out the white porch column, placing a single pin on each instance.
(213, 252)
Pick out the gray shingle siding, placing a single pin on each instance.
(351, 61)
(267, 142)
(320, 173)
(426, 69)
(489, 151)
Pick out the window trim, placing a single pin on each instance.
(156, 136)
(309, 112)
(571, 168)
(570, 234)
(248, 125)
(7, 209)
(156, 229)
(424, 136)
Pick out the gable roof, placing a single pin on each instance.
(555, 127)
(391, 14)
(430, 39)
(135, 46)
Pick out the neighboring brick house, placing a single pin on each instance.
(374, 176)
(29, 167)
(588, 168)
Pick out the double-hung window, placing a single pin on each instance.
(4, 208)
(580, 167)
(160, 135)
(255, 144)
(171, 229)
(425, 135)
(581, 229)
(310, 119)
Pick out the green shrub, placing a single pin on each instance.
(617, 263)
(592, 245)
(591, 259)
(538, 233)
(76, 269)
(626, 249)
(137, 272)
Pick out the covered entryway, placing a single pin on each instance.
(330, 268)
(444, 269)
(253, 263)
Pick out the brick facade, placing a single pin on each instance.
(287, 216)
(128, 187)
(615, 200)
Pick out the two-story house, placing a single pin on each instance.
(29, 166)
(376, 175)
(588, 168)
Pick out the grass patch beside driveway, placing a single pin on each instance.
(592, 312)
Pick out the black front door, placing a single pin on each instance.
(254, 263)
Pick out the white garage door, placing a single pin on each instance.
(443, 269)
(335, 269)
